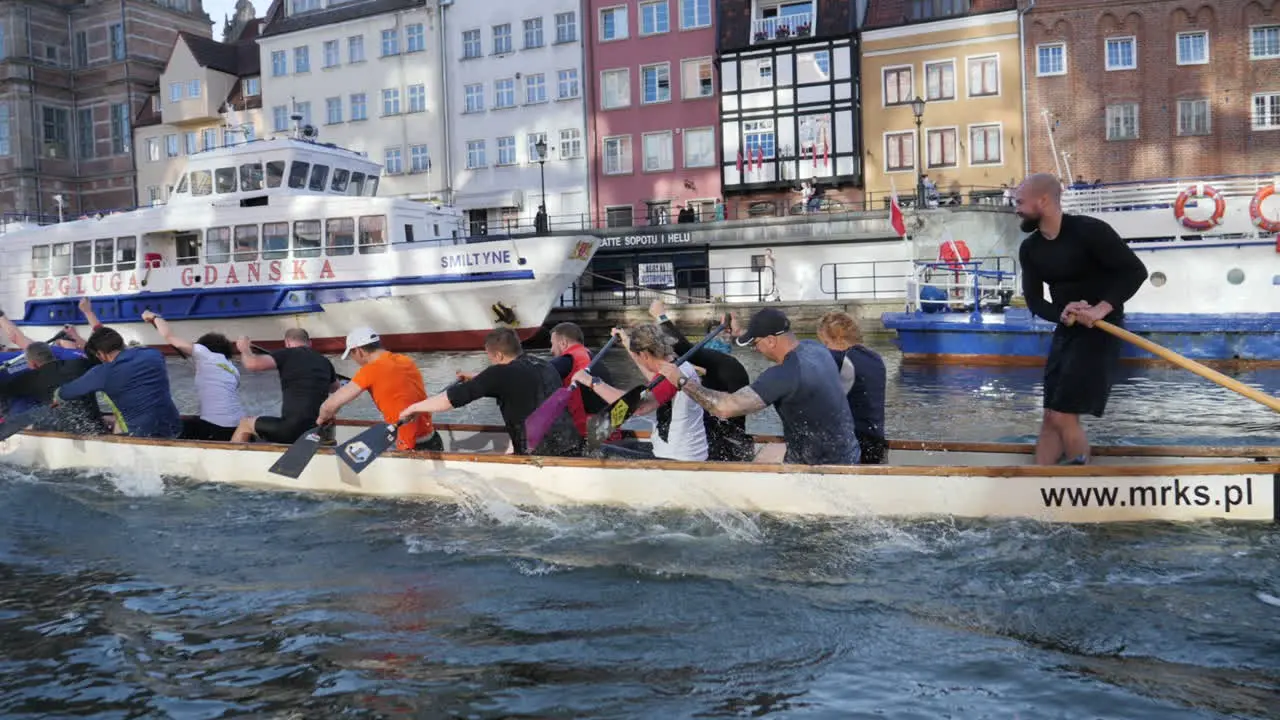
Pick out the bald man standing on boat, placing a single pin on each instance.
(1091, 272)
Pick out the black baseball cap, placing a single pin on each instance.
(767, 322)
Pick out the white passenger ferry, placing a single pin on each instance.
(266, 235)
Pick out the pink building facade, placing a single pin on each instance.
(652, 110)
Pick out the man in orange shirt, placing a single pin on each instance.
(394, 382)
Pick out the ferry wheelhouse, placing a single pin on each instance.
(266, 235)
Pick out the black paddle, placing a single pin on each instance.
(17, 423)
(360, 451)
(603, 424)
(298, 456)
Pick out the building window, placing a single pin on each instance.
(391, 101)
(568, 84)
(193, 89)
(1193, 117)
(759, 138)
(695, 14)
(1122, 53)
(899, 151)
(85, 141)
(355, 49)
(393, 161)
(531, 146)
(475, 154)
(615, 89)
(252, 87)
(153, 149)
(613, 24)
(984, 76)
(898, 85)
(279, 63)
(617, 155)
(502, 39)
(535, 88)
(699, 147)
(474, 98)
(301, 6)
(171, 147)
(117, 42)
(331, 53)
(618, 216)
(655, 17)
(6, 132)
(570, 144)
(931, 9)
(507, 150)
(757, 74)
(415, 39)
(419, 159)
(532, 33)
(566, 27)
(696, 78)
(121, 132)
(209, 139)
(359, 109)
(82, 49)
(302, 59)
(1122, 121)
(333, 110)
(656, 80)
(175, 91)
(1264, 42)
(941, 144)
(504, 93)
(1051, 59)
(303, 109)
(390, 42)
(417, 98)
(1193, 48)
(940, 81)
(985, 145)
(191, 142)
(280, 118)
(471, 44)
(658, 152)
(56, 131)
(1266, 111)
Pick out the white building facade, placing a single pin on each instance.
(514, 77)
(368, 77)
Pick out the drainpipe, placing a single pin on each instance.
(588, 107)
(445, 114)
(1026, 124)
(128, 100)
(38, 163)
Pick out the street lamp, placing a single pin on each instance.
(542, 223)
(917, 109)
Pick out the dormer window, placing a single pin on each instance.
(193, 90)
(252, 87)
(155, 103)
(298, 7)
(175, 92)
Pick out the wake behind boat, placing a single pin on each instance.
(966, 480)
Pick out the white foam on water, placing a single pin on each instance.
(1268, 599)
(136, 482)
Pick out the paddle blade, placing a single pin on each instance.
(603, 424)
(298, 456)
(539, 422)
(363, 449)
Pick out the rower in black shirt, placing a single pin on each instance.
(80, 416)
(306, 380)
(1091, 272)
(863, 374)
(520, 383)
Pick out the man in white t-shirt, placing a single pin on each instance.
(680, 433)
(217, 382)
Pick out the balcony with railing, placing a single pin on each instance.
(780, 21)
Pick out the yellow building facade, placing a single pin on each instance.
(968, 72)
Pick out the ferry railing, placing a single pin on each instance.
(960, 287)
(686, 285)
(1156, 195)
(883, 279)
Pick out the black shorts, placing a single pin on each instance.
(875, 451)
(284, 431)
(434, 443)
(1082, 366)
(200, 429)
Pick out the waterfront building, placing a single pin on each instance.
(209, 96)
(959, 66)
(1130, 90)
(364, 76)
(515, 86)
(74, 75)
(789, 107)
(652, 112)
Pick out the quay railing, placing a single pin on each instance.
(688, 285)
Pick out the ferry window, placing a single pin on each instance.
(298, 174)
(340, 236)
(340, 177)
(251, 176)
(435, 229)
(188, 244)
(104, 253)
(408, 232)
(306, 238)
(82, 257)
(126, 253)
(275, 240)
(61, 260)
(182, 186)
(373, 234)
(246, 243)
(40, 260)
(201, 183)
(275, 173)
(319, 175)
(357, 184)
(217, 245)
(371, 185)
(225, 180)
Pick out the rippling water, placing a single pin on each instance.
(127, 595)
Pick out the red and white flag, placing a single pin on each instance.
(760, 158)
(896, 218)
(826, 152)
(739, 162)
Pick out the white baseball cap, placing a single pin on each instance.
(359, 337)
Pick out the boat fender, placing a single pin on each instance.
(933, 299)
(1200, 190)
(1260, 221)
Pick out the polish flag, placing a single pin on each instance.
(739, 162)
(896, 219)
(759, 158)
(814, 151)
(826, 152)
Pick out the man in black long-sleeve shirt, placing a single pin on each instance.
(1091, 272)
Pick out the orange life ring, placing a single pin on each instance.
(1255, 210)
(1200, 191)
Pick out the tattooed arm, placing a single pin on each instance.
(720, 404)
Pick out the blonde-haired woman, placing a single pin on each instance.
(862, 370)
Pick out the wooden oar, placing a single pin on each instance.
(601, 425)
(539, 422)
(1189, 364)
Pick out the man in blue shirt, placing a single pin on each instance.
(63, 345)
(136, 382)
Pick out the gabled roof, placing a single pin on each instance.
(280, 23)
(240, 58)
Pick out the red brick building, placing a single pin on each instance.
(1153, 88)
